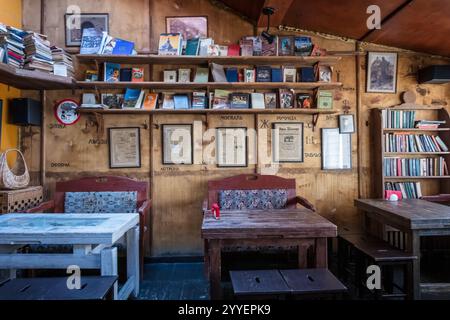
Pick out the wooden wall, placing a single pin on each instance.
(177, 191)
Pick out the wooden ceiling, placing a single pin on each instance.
(418, 25)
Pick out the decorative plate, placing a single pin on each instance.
(66, 112)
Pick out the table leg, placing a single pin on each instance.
(10, 250)
(321, 253)
(109, 266)
(413, 246)
(215, 266)
(133, 258)
(206, 254)
(303, 256)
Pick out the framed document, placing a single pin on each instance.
(177, 144)
(346, 123)
(124, 148)
(287, 142)
(336, 150)
(231, 147)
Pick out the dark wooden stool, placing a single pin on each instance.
(259, 284)
(92, 288)
(369, 250)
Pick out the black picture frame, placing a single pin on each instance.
(342, 126)
(72, 44)
(163, 143)
(111, 143)
(369, 88)
(245, 146)
(274, 125)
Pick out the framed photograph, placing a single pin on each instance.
(231, 147)
(346, 123)
(124, 147)
(382, 72)
(76, 23)
(177, 141)
(336, 150)
(189, 27)
(287, 142)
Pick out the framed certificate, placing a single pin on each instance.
(336, 150)
(177, 144)
(287, 142)
(124, 148)
(231, 147)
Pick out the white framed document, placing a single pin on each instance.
(177, 144)
(231, 147)
(124, 148)
(336, 150)
(287, 142)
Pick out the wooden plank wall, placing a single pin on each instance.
(177, 191)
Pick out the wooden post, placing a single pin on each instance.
(133, 258)
(109, 266)
(413, 246)
(321, 253)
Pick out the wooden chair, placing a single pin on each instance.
(104, 184)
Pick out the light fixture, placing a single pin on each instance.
(268, 11)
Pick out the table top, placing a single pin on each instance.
(250, 224)
(65, 228)
(410, 213)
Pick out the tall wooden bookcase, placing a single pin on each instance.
(429, 185)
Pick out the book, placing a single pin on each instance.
(289, 74)
(285, 46)
(91, 41)
(270, 100)
(181, 102)
(184, 75)
(263, 74)
(234, 50)
(111, 72)
(324, 73)
(170, 44)
(307, 74)
(256, 45)
(286, 99)
(232, 75)
(168, 101)
(170, 76)
(223, 51)
(221, 99)
(126, 74)
(269, 49)
(324, 99)
(304, 100)
(204, 44)
(277, 75)
(258, 101)
(112, 100)
(123, 47)
(250, 75)
(218, 73)
(246, 48)
(88, 100)
(317, 51)
(409, 190)
(213, 50)
(415, 167)
(400, 142)
(199, 100)
(201, 75)
(150, 101)
(137, 75)
(131, 99)
(240, 101)
(303, 46)
(192, 47)
(91, 75)
(398, 119)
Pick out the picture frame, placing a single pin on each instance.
(346, 123)
(382, 70)
(336, 150)
(73, 35)
(124, 147)
(189, 26)
(288, 142)
(177, 144)
(231, 156)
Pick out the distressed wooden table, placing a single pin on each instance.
(92, 236)
(416, 218)
(299, 228)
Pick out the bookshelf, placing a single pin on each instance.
(207, 111)
(429, 185)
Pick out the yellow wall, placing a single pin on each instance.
(10, 14)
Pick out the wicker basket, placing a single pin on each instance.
(20, 200)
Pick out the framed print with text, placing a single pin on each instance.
(124, 147)
(231, 147)
(287, 142)
(336, 150)
(177, 144)
(346, 123)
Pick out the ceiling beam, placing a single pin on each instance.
(281, 8)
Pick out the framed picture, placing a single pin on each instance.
(336, 150)
(287, 142)
(231, 147)
(382, 72)
(177, 144)
(76, 23)
(189, 27)
(124, 147)
(346, 123)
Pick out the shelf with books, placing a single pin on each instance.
(208, 111)
(414, 130)
(393, 154)
(416, 178)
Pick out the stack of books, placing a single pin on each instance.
(38, 53)
(13, 46)
(415, 167)
(397, 119)
(410, 190)
(414, 143)
(428, 124)
(62, 62)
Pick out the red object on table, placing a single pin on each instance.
(390, 193)
(216, 211)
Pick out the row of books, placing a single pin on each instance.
(413, 143)
(113, 72)
(415, 167)
(94, 41)
(429, 124)
(12, 44)
(410, 190)
(173, 44)
(62, 62)
(398, 119)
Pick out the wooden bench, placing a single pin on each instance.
(92, 288)
(269, 284)
(372, 251)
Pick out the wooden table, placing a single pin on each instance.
(92, 236)
(300, 228)
(416, 218)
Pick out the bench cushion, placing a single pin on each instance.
(100, 202)
(253, 199)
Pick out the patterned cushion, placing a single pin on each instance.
(100, 202)
(253, 199)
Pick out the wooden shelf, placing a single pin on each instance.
(197, 60)
(208, 111)
(416, 178)
(414, 130)
(209, 86)
(33, 80)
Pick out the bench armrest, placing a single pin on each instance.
(143, 211)
(305, 203)
(43, 207)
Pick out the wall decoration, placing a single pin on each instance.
(76, 23)
(124, 148)
(231, 147)
(66, 112)
(336, 150)
(287, 142)
(189, 27)
(382, 72)
(177, 144)
(346, 123)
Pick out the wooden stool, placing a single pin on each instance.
(92, 288)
